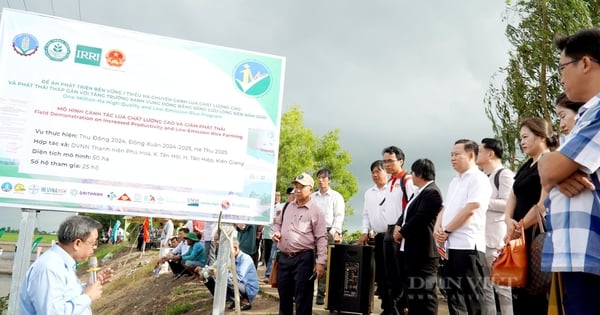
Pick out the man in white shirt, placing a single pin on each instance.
(334, 207)
(489, 160)
(374, 219)
(460, 227)
(400, 188)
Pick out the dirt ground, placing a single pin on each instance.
(135, 290)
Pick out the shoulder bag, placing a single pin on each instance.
(510, 267)
(538, 281)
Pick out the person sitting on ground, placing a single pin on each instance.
(173, 242)
(246, 276)
(193, 258)
(174, 258)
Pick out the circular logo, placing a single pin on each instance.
(25, 44)
(57, 49)
(74, 192)
(20, 188)
(115, 58)
(252, 78)
(6, 187)
(225, 204)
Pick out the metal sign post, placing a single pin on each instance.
(223, 259)
(22, 256)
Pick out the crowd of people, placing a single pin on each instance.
(424, 243)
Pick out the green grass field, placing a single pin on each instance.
(13, 236)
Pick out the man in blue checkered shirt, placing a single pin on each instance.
(571, 174)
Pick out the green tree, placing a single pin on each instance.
(301, 151)
(107, 220)
(532, 79)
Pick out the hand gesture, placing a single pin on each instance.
(104, 276)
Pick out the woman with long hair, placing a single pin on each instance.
(526, 198)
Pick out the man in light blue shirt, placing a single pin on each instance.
(51, 285)
(246, 276)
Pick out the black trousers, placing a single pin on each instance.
(293, 283)
(177, 267)
(379, 262)
(418, 287)
(390, 294)
(463, 276)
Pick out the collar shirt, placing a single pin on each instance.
(393, 200)
(303, 228)
(246, 274)
(410, 200)
(195, 253)
(182, 248)
(572, 244)
(373, 215)
(495, 228)
(472, 186)
(334, 207)
(51, 286)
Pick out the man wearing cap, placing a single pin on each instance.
(193, 258)
(278, 207)
(299, 229)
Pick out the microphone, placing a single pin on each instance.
(93, 264)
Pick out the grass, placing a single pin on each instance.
(104, 249)
(179, 308)
(3, 304)
(13, 236)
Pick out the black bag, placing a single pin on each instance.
(538, 281)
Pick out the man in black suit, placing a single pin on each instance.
(418, 257)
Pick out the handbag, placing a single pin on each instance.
(274, 269)
(538, 281)
(510, 267)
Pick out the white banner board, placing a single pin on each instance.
(105, 120)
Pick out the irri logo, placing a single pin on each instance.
(88, 55)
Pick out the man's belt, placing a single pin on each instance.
(294, 254)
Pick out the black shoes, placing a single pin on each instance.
(245, 306)
(320, 300)
(230, 305)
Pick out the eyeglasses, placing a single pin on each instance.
(389, 161)
(92, 243)
(562, 66)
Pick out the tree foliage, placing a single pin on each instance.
(532, 80)
(301, 151)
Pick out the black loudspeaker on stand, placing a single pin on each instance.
(350, 273)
